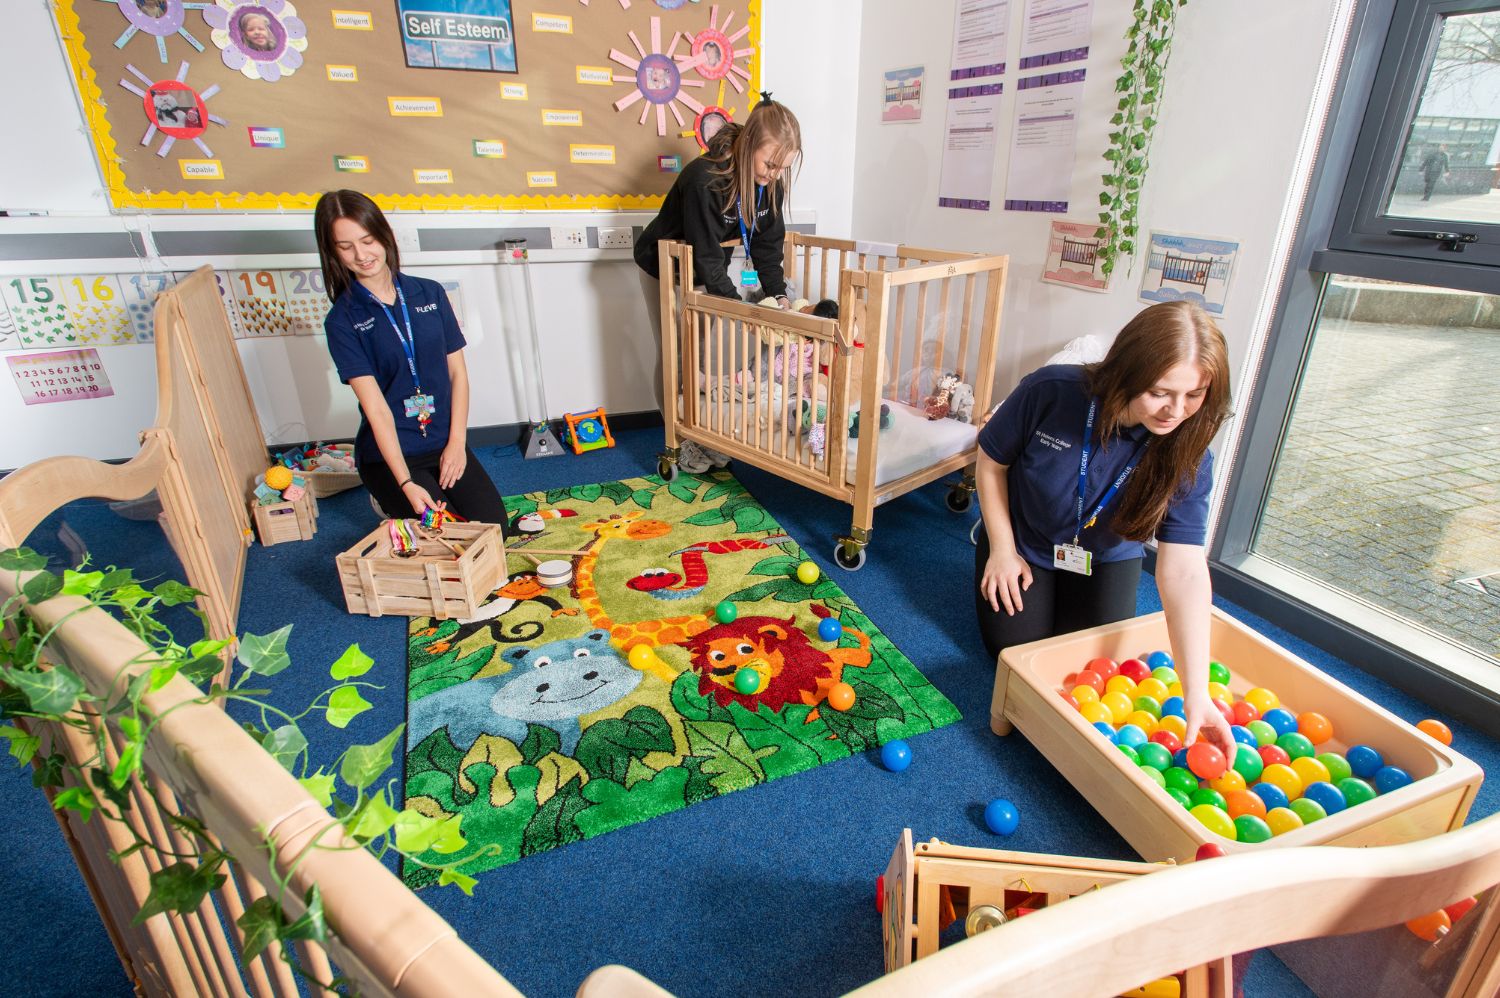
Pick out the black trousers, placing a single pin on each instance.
(1057, 602)
(473, 496)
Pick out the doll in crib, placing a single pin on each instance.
(789, 364)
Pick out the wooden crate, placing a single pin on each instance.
(1027, 678)
(279, 522)
(433, 583)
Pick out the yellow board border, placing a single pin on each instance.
(123, 198)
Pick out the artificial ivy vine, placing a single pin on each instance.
(32, 688)
(1140, 87)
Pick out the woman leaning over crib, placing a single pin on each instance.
(1079, 466)
(396, 342)
(745, 164)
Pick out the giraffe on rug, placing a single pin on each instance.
(627, 635)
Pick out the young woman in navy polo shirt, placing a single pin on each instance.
(1079, 466)
(396, 342)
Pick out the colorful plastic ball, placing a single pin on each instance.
(1179, 758)
(1337, 766)
(1270, 795)
(1211, 797)
(747, 681)
(641, 657)
(1283, 720)
(829, 629)
(1131, 735)
(1244, 802)
(1206, 761)
(1120, 684)
(1153, 688)
(1430, 727)
(1154, 756)
(1154, 775)
(807, 573)
(895, 755)
(278, 477)
(1311, 770)
(1164, 675)
(1150, 705)
(880, 894)
(1432, 926)
(1175, 689)
(1282, 820)
(1460, 908)
(1119, 705)
(1085, 694)
(1308, 810)
(1391, 778)
(1068, 699)
(726, 611)
(1364, 761)
(1263, 732)
(1128, 751)
(1173, 707)
(1247, 763)
(1174, 724)
(1244, 712)
(1218, 691)
(1223, 707)
(1273, 754)
(1134, 669)
(1106, 667)
(1104, 728)
(1159, 660)
(1218, 673)
(1251, 828)
(1328, 796)
(1001, 816)
(1095, 712)
(1179, 797)
(1284, 778)
(1209, 850)
(1146, 722)
(1355, 790)
(1227, 784)
(841, 697)
(1215, 820)
(1181, 779)
(1315, 726)
(1092, 680)
(1263, 699)
(1295, 744)
(1166, 739)
(1243, 735)
(1069, 681)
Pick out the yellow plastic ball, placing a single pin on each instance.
(1153, 688)
(1094, 712)
(1218, 691)
(1119, 706)
(1283, 820)
(1121, 684)
(1143, 720)
(1174, 689)
(640, 657)
(1283, 777)
(807, 573)
(278, 476)
(1229, 782)
(1263, 699)
(1216, 820)
(1310, 770)
(1085, 694)
(1174, 724)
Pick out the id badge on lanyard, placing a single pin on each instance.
(419, 404)
(1074, 557)
(749, 278)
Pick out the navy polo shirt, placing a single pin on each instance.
(363, 342)
(1037, 434)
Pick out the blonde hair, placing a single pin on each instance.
(732, 151)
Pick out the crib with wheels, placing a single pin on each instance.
(854, 407)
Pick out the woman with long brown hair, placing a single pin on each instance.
(1079, 466)
(736, 190)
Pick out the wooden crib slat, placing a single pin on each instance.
(894, 334)
(941, 358)
(743, 365)
(994, 301)
(971, 281)
(790, 427)
(806, 271)
(721, 377)
(920, 334)
(823, 274)
(876, 291)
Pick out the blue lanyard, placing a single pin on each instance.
(408, 341)
(745, 236)
(1083, 474)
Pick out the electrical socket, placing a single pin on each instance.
(407, 240)
(570, 237)
(619, 237)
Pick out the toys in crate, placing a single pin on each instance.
(327, 468)
(404, 568)
(587, 430)
(283, 509)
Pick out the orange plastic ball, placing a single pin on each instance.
(1315, 726)
(1245, 802)
(1430, 926)
(1436, 729)
(841, 696)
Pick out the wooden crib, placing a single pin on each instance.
(779, 389)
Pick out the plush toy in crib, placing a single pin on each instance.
(814, 424)
(951, 399)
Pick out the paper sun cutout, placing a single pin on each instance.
(174, 109)
(713, 52)
(658, 78)
(159, 18)
(264, 39)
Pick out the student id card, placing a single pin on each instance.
(748, 277)
(1072, 558)
(420, 406)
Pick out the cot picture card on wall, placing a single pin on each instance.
(1072, 257)
(1188, 268)
(902, 97)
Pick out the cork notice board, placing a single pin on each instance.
(423, 104)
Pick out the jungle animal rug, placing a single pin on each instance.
(560, 713)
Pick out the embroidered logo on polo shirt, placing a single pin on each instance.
(429, 307)
(365, 324)
(1049, 440)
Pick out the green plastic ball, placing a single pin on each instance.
(1252, 828)
(1337, 766)
(1211, 797)
(726, 611)
(1263, 732)
(1248, 763)
(1296, 745)
(747, 681)
(1308, 810)
(1129, 753)
(1154, 775)
(1181, 779)
(1150, 705)
(1180, 797)
(1165, 674)
(1355, 790)
(1217, 673)
(1154, 755)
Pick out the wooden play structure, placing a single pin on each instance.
(780, 390)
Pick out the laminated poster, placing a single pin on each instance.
(980, 31)
(902, 97)
(1044, 143)
(61, 376)
(1188, 268)
(969, 139)
(1072, 257)
(458, 34)
(1055, 32)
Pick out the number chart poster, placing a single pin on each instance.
(424, 104)
(63, 376)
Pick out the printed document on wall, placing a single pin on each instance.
(969, 141)
(1055, 31)
(980, 31)
(1044, 142)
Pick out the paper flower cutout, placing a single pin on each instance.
(174, 109)
(159, 18)
(657, 77)
(264, 39)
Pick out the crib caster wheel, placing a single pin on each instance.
(850, 557)
(668, 470)
(960, 499)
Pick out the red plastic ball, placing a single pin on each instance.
(1210, 850)
(1167, 740)
(1090, 678)
(1070, 681)
(1244, 713)
(1459, 909)
(1206, 761)
(1225, 709)
(1135, 669)
(1105, 667)
(1270, 754)
(880, 894)
(1068, 699)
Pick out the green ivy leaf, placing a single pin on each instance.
(452, 838)
(363, 764)
(80, 583)
(416, 832)
(261, 925)
(463, 880)
(285, 744)
(373, 819)
(21, 560)
(202, 669)
(265, 654)
(354, 662)
(79, 799)
(53, 692)
(311, 924)
(174, 593)
(48, 771)
(41, 587)
(320, 785)
(23, 747)
(128, 765)
(344, 705)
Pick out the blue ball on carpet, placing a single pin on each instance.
(1001, 816)
(830, 629)
(895, 755)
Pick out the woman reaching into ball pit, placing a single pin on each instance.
(1082, 464)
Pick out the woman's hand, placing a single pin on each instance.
(420, 498)
(451, 466)
(1006, 576)
(1203, 716)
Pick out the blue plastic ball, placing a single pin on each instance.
(1173, 706)
(1158, 660)
(1283, 720)
(1391, 778)
(1243, 735)
(895, 755)
(1364, 761)
(830, 629)
(1271, 795)
(1131, 735)
(1106, 729)
(1179, 758)
(1325, 794)
(1001, 817)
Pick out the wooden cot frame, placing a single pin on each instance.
(873, 284)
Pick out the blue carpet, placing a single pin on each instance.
(766, 891)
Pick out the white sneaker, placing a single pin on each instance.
(693, 459)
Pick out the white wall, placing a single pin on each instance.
(590, 315)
